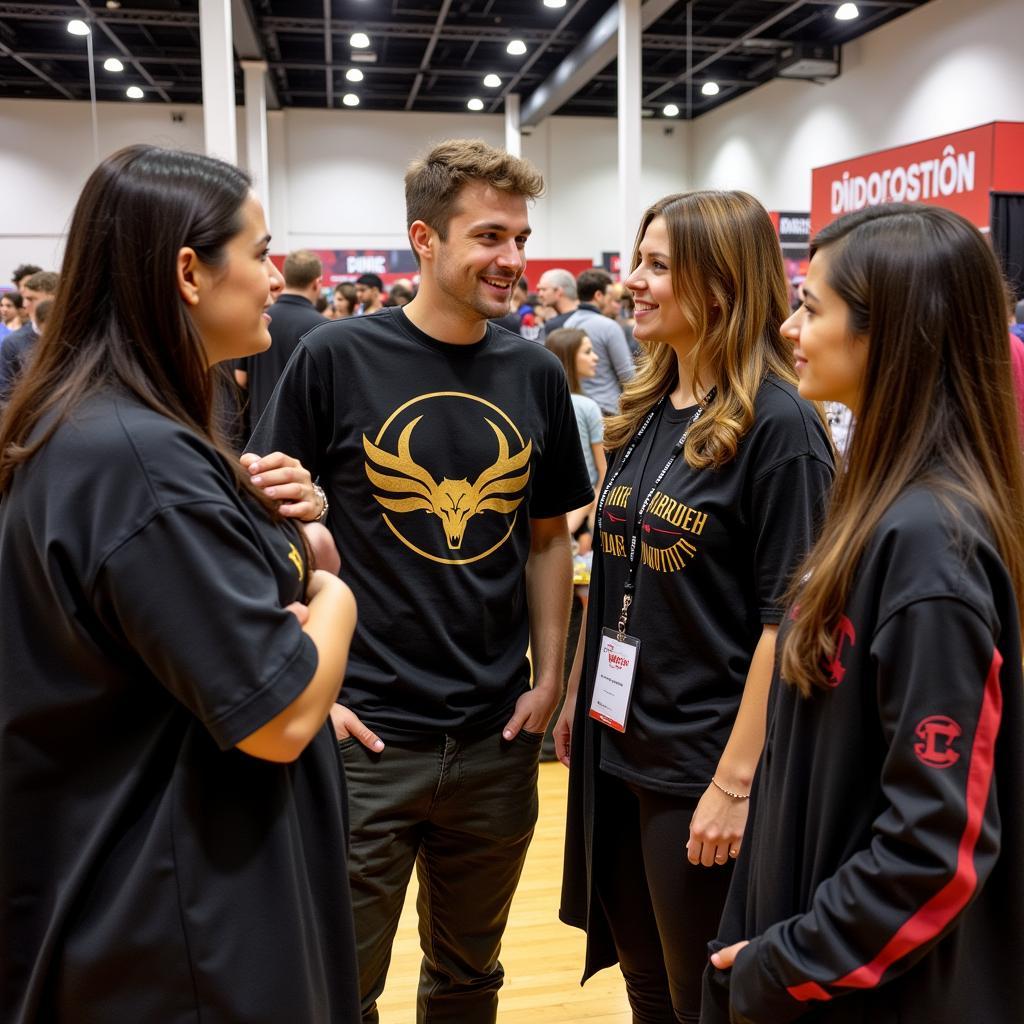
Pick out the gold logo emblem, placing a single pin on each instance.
(408, 486)
(296, 559)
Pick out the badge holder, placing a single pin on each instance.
(616, 670)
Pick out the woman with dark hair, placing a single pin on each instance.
(881, 876)
(170, 796)
(345, 301)
(579, 360)
(718, 473)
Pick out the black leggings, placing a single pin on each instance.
(662, 910)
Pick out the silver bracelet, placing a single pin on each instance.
(729, 792)
(322, 495)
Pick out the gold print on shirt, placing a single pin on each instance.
(296, 559)
(658, 550)
(497, 487)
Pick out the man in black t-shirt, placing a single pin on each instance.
(449, 454)
(291, 316)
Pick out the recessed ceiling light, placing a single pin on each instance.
(554, 3)
(475, 104)
(492, 81)
(78, 27)
(360, 40)
(133, 92)
(671, 110)
(710, 89)
(354, 75)
(517, 48)
(350, 99)
(112, 64)
(847, 12)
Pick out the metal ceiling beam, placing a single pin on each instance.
(53, 12)
(94, 16)
(592, 55)
(328, 56)
(739, 41)
(536, 55)
(428, 53)
(663, 41)
(405, 30)
(6, 51)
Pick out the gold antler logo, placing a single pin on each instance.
(454, 502)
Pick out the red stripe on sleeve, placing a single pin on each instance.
(951, 899)
(807, 991)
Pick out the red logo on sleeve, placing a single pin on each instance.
(845, 635)
(937, 734)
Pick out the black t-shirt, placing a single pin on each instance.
(718, 551)
(291, 316)
(880, 874)
(435, 457)
(150, 871)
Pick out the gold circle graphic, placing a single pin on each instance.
(391, 526)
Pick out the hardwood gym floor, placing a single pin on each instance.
(543, 958)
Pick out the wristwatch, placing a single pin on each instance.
(322, 495)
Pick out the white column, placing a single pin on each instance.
(257, 159)
(513, 136)
(277, 192)
(630, 120)
(219, 126)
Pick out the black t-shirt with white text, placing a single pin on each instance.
(149, 870)
(718, 550)
(435, 457)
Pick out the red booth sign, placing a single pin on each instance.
(955, 171)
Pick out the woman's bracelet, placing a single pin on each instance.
(729, 792)
(322, 495)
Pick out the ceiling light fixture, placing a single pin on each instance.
(710, 89)
(354, 75)
(492, 81)
(554, 3)
(847, 12)
(112, 64)
(475, 104)
(670, 110)
(78, 28)
(133, 92)
(350, 99)
(517, 48)
(359, 40)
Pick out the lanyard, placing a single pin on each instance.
(634, 547)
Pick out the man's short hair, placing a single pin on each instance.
(559, 278)
(592, 281)
(371, 281)
(301, 268)
(433, 182)
(45, 281)
(24, 270)
(15, 298)
(43, 310)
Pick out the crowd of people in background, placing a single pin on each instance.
(794, 721)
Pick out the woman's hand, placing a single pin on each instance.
(725, 958)
(287, 481)
(716, 829)
(563, 731)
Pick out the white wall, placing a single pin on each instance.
(949, 65)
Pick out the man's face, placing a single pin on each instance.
(30, 299)
(8, 310)
(366, 295)
(608, 302)
(548, 293)
(477, 268)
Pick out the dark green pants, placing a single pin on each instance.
(463, 811)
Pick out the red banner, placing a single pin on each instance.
(955, 171)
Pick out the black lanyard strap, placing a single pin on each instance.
(634, 547)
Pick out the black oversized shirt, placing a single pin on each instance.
(717, 552)
(435, 458)
(879, 878)
(150, 871)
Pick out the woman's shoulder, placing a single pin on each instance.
(585, 404)
(786, 425)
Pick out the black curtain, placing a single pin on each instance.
(1007, 222)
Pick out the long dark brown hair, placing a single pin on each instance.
(118, 318)
(937, 401)
(725, 254)
(566, 342)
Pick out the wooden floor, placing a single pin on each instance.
(543, 958)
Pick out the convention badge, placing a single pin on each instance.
(613, 683)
